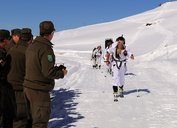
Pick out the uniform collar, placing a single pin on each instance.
(43, 40)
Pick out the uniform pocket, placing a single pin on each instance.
(41, 112)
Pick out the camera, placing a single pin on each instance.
(61, 67)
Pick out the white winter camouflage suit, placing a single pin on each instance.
(118, 68)
(96, 55)
(109, 65)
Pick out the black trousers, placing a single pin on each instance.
(7, 104)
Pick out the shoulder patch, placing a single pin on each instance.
(50, 58)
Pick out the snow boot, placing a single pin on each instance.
(115, 93)
(121, 90)
(94, 66)
(99, 66)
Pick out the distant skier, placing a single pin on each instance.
(119, 56)
(96, 57)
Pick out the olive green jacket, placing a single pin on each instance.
(17, 65)
(40, 69)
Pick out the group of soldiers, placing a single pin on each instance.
(27, 73)
(115, 57)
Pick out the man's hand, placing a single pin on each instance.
(65, 71)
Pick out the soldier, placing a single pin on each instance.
(40, 75)
(7, 97)
(119, 55)
(15, 34)
(16, 77)
(98, 56)
(108, 45)
(93, 57)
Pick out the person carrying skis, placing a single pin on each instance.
(119, 56)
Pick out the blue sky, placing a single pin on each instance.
(68, 14)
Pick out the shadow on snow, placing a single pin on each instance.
(139, 91)
(63, 106)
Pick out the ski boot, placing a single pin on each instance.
(99, 66)
(121, 90)
(95, 66)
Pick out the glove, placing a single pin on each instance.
(125, 53)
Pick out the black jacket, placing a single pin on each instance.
(7, 96)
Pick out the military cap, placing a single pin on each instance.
(26, 34)
(4, 34)
(46, 27)
(16, 31)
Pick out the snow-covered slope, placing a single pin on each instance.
(83, 99)
(161, 33)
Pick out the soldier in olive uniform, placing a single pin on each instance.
(7, 96)
(16, 77)
(40, 75)
(15, 34)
